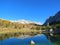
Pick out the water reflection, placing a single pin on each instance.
(38, 39)
(54, 38)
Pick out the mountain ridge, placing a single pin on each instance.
(18, 24)
(23, 21)
(53, 19)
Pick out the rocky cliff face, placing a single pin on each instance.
(53, 19)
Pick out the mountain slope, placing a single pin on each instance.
(25, 22)
(18, 24)
(53, 19)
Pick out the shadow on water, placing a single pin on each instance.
(55, 38)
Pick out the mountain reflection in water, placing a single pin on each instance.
(38, 39)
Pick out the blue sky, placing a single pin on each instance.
(34, 10)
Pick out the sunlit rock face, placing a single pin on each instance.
(52, 19)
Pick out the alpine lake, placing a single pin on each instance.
(39, 39)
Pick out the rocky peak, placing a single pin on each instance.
(55, 18)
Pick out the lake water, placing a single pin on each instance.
(38, 39)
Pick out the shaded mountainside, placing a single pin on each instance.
(52, 20)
